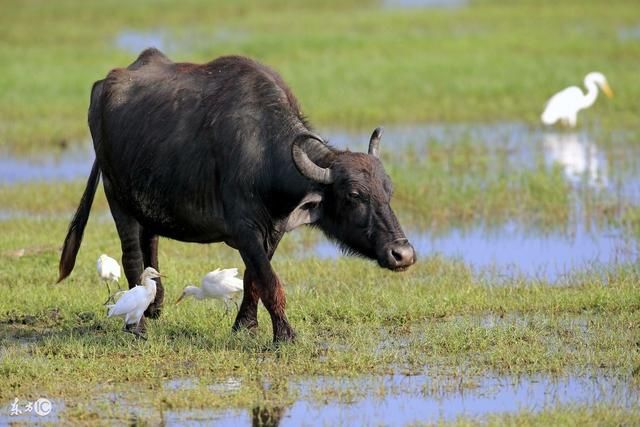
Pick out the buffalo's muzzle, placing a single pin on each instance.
(399, 255)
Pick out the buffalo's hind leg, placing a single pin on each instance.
(149, 246)
(129, 233)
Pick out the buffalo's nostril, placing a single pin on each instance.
(401, 255)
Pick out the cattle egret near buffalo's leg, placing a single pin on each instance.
(108, 270)
(563, 107)
(135, 301)
(217, 284)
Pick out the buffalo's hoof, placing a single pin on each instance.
(153, 311)
(245, 324)
(284, 335)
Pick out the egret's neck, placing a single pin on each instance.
(150, 284)
(592, 94)
(197, 292)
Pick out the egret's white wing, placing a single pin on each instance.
(219, 283)
(229, 272)
(233, 284)
(128, 301)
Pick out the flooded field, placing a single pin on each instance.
(597, 167)
(392, 400)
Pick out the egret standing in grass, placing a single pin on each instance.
(109, 271)
(564, 105)
(217, 284)
(133, 303)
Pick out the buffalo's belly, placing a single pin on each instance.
(190, 215)
(196, 233)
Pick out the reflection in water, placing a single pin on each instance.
(267, 416)
(578, 156)
(402, 400)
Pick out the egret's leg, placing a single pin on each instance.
(126, 328)
(109, 296)
(226, 307)
(138, 333)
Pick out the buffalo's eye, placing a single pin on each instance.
(354, 195)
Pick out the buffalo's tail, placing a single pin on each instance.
(77, 225)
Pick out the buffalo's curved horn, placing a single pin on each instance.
(374, 142)
(304, 143)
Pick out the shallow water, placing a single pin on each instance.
(34, 411)
(510, 252)
(594, 163)
(400, 400)
(135, 41)
(68, 165)
(414, 4)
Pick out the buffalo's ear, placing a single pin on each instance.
(307, 212)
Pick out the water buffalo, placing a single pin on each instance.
(220, 152)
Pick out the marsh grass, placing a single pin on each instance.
(350, 63)
(352, 318)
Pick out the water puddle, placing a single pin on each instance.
(171, 42)
(626, 34)
(596, 165)
(402, 400)
(36, 411)
(68, 165)
(415, 4)
(508, 252)
(229, 385)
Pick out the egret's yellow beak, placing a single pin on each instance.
(607, 90)
(180, 299)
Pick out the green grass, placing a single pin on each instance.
(353, 319)
(350, 63)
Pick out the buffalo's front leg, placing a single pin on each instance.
(269, 289)
(248, 313)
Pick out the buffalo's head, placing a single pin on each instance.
(353, 202)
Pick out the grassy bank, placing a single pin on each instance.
(350, 63)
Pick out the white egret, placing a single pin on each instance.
(109, 271)
(132, 304)
(564, 105)
(217, 284)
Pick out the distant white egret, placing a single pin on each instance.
(564, 105)
(132, 304)
(217, 284)
(108, 270)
